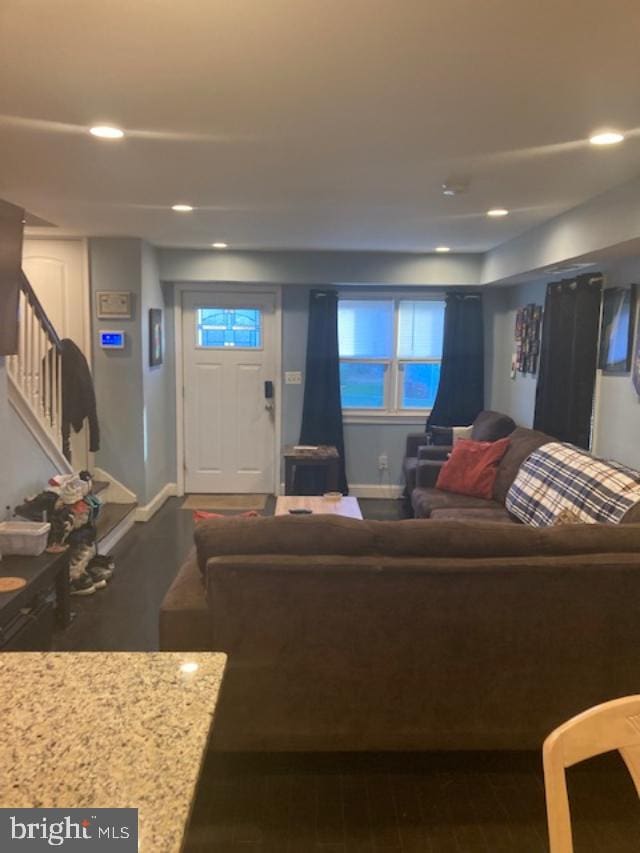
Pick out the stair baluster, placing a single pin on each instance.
(36, 369)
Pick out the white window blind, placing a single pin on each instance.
(420, 329)
(365, 328)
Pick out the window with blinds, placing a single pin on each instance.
(390, 353)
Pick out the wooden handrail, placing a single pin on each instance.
(41, 314)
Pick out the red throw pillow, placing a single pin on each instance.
(472, 467)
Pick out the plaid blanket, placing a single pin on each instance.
(558, 478)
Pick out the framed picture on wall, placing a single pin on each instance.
(156, 343)
(616, 334)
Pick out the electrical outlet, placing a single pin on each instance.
(383, 462)
(293, 377)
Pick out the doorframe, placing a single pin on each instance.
(224, 287)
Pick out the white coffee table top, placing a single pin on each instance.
(347, 507)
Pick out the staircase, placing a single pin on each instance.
(35, 377)
(35, 392)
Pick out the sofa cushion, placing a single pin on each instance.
(471, 469)
(493, 515)
(522, 442)
(285, 534)
(425, 500)
(490, 426)
(474, 539)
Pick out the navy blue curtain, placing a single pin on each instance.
(568, 359)
(322, 407)
(460, 396)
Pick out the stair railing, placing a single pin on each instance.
(37, 367)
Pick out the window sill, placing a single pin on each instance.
(398, 418)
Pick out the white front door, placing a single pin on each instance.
(228, 342)
(56, 271)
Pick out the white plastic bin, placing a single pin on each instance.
(23, 538)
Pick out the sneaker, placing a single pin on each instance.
(82, 585)
(98, 574)
(106, 563)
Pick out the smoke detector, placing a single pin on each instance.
(455, 186)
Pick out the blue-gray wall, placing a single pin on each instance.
(297, 273)
(618, 411)
(516, 396)
(158, 385)
(115, 264)
(320, 268)
(24, 467)
(617, 404)
(136, 403)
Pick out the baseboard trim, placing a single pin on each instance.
(107, 543)
(144, 513)
(375, 490)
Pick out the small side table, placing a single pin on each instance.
(324, 456)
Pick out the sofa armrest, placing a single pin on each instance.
(427, 473)
(414, 441)
(434, 452)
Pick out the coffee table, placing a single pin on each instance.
(346, 507)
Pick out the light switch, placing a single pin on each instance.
(293, 377)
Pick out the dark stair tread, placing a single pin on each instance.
(110, 517)
(99, 486)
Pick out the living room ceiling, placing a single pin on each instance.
(315, 124)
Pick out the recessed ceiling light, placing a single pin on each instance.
(104, 131)
(182, 208)
(219, 245)
(442, 249)
(498, 211)
(606, 137)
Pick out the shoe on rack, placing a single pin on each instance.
(106, 562)
(82, 585)
(98, 574)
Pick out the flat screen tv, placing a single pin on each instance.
(11, 228)
(616, 335)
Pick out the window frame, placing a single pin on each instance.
(392, 412)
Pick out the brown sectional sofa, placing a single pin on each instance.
(363, 635)
(429, 502)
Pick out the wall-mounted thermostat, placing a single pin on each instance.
(111, 340)
(112, 304)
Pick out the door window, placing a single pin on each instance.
(219, 328)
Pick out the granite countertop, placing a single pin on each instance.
(102, 729)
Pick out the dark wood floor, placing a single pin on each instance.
(373, 803)
(405, 803)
